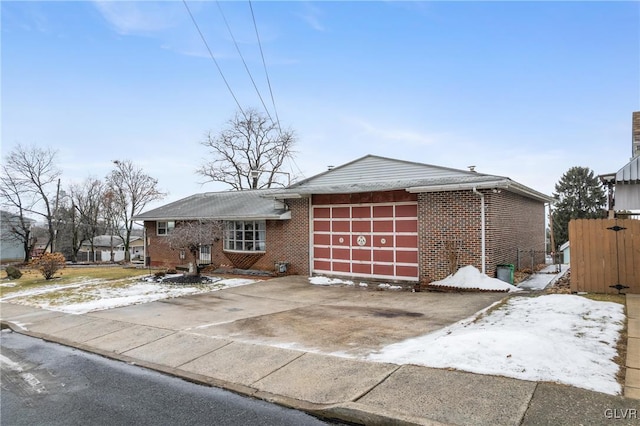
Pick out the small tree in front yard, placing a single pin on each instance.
(49, 263)
(190, 236)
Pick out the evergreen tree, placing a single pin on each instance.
(580, 195)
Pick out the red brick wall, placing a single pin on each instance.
(287, 241)
(514, 222)
(447, 219)
(450, 222)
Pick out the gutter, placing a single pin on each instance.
(506, 184)
(483, 229)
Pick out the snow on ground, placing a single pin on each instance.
(469, 277)
(558, 338)
(337, 281)
(96, 295)
(329, 281)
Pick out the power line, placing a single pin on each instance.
(273, 102)
(224, 18)
(213, 58)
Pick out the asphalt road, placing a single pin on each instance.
(45, 383)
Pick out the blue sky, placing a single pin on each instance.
(520, 89)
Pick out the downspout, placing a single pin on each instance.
(482, 229)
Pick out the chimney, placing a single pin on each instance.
(635, 135)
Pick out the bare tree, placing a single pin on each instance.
(79, 215)
(30, 182)
(129, 190)
(250, 142)
(190, 236)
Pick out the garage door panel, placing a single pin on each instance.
(361, 255)
(383, 226)
(322, 239)
(322, 212)
(383, 255)
(361, 268)
(407, 241)
(406, 256)
(385, 240)
(341, 266)
(341, 254)
(361, 226)
(387, 270)
(321, 225)
(322, 252)
(341, 226)
(340, 240)
(407, 226)
(406, 271)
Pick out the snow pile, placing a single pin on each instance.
(389, 287)
(329, 281)
(558, 338)
(469, 277)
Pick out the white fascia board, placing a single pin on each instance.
(467, 186)
(506, 184)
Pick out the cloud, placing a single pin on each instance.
(311, 15)
(140, 18)
(405, 136)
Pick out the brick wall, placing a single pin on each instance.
(450, 229)
(287, 241)
(447, 222)
(514, 222)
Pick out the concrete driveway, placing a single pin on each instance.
(291, 312)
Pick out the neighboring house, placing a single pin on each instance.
(627, 186)
(102, 246)
(565, 249)
(624, 186)
(375, 217)
(11, 248)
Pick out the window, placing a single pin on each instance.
(245, 235)
(205, 255)
(164, 228)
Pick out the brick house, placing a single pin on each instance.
(375, 218)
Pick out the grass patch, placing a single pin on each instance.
(32, 278)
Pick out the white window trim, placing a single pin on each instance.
(169, 225)
(255, 230)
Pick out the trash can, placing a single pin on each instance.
(505, 273)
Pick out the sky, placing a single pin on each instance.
(519, 89)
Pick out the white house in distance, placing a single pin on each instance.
(11, 249)
(102, 246)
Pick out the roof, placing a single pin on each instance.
(229, 205)
(104, 241)
(630, 173)
(373, 173)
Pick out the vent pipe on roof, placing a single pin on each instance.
(472, 168)
(330, 167)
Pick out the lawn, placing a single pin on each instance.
(32, 278)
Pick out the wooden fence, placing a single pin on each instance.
(602, 257)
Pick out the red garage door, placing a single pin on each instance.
(366, 240)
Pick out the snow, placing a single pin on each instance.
(558, 338)
(389, 287)
(469, 277)
(328, 281)
(96, 295)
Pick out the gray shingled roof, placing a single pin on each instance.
(250, 204)
(373, 173)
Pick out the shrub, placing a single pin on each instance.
(49, 263)
(13, 273)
